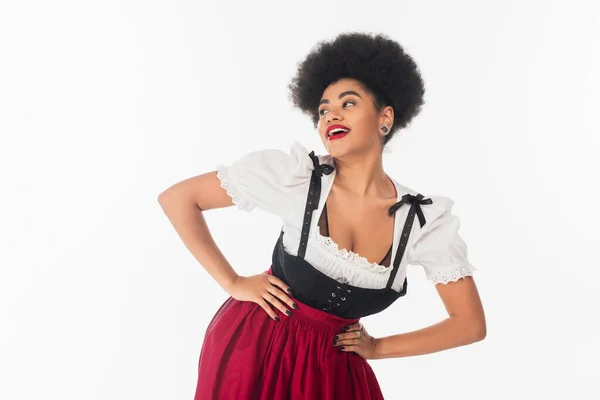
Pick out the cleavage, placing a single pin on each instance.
(323, 225)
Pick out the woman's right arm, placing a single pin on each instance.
(184, 204)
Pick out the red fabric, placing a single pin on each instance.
(246, 355)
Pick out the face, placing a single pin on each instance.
(347, 104)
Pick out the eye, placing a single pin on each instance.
(321, 111)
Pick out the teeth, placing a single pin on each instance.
(337, 130)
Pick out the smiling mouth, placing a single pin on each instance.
(337, 131)
(337, 135)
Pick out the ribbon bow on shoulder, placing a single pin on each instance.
(320, 168)
(416, 202)
(315, 185)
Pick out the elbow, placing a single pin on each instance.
(478, 330)
(169, 193)
(161, 198)
(171, 199)
(164, 196)
(480, 334)
(164, 199)
(474, 329)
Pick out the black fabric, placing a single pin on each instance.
(314, 194)
(321, 291)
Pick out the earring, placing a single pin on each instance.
(384, 130)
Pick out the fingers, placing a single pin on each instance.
(276, 284)
(353, 327)
(264, 290)
(262, 302)
(352, 336)
(275, 301)
(349, 338)
(354, 339)
(347, 344)
(350, 348)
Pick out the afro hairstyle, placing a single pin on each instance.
(379, 63)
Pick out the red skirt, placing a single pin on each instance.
(247, 355)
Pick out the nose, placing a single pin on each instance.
(331, 115)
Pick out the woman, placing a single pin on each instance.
(349, 231)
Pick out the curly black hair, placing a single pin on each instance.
(379, 63)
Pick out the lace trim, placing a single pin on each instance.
(354, 258)
(226, 184)
(452, 275)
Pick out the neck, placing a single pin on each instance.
(363, 175)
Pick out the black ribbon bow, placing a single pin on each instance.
(320, 168)
(416, 202)
(318, 171)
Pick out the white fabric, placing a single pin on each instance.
(277, 182)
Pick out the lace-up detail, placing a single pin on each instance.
(340, 295)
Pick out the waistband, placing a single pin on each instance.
(313, 316)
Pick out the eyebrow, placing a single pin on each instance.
(347, 92)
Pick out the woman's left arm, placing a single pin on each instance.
(443, 253)
(465, 325)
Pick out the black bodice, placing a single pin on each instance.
(320, 291)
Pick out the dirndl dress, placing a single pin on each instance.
(247, 355)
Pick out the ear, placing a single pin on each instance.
(387, 116)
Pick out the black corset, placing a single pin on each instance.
(316, 289)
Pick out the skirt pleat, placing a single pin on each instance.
(246, 355)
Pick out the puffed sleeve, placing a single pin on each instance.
(438, 246)
(270, 179)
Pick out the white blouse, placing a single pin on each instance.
(277, 183)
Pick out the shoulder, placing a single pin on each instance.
(274, 163)
(435, 222)
(434, 206)
(438, 245)
(438, 236)
(270, 179)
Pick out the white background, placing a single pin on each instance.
(105, 104)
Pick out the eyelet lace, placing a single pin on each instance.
(351, 256)
(236, 198)
(452, 275)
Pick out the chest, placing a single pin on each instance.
(361, 226)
